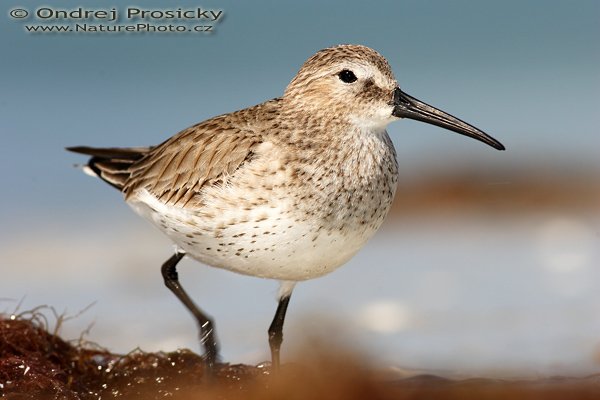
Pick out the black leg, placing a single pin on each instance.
(207, 333)
(276, 330)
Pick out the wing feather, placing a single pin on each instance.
(177, 170)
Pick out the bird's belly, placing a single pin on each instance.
(268, 242)
(296, 252)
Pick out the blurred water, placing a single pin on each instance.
(459, 292)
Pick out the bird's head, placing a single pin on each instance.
(356, 83)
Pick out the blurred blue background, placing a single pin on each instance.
(526, 72)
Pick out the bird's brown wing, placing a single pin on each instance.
(177, 170)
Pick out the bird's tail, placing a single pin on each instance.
(112, 165)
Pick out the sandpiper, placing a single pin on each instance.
(289, 189)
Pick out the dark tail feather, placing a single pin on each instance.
(112, 165)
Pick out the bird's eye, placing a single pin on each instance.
(347, 76)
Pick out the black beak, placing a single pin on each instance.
(406, 106)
